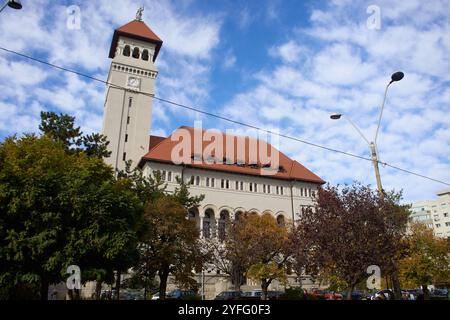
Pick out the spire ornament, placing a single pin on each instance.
(139, 13)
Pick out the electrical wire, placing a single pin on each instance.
(217, 116)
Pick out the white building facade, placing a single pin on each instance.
(232, 185)
(434, 213)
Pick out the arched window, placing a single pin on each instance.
(207, 221)
(223, 222)
(280, 221)
(136, 53)
(126, 51)
(145, 55)
(238, 215)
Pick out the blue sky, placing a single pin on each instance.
(282, 65)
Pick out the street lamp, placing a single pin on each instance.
(14, 4)
(373, 144)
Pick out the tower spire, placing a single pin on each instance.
(139, 13)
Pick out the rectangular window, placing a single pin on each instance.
(268, 188)
(169, 176)
(282, 190)
(207, 182)
(251, 187)
(192, 180)
(213, 181)
(237, 185)
(124, 158)
(277, 190)
(128, 120)
(126, 138)
(301, 192)
(228, 184)
(255, 187)
(222, 183)
(130, 102)
(163, 175)
(264, 188)
(197, 181)
(242, 186)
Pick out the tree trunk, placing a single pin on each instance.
(396, 286)
(145, 290)
(43, 290)
(349, 292)
(118, 285)
(426, 293)
(264, 287)
(163, 275)
(396, 282)
(98, 290)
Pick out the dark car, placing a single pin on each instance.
(274, 295)
(179, 294)
(356, 295)
(439, 294)
(228, 295)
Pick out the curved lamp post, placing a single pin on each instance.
(14, 4)
(373, 145)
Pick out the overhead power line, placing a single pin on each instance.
(217, 116)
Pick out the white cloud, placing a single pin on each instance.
(184, 62)
(347, 71)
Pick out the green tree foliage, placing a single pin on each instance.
(426, 258)
(270, 248)
(59, 208)
(170, 244)
(61, 128)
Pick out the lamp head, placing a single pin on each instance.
(397, 76)
(336, 116)
(15, 4)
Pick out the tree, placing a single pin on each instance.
(271, 249)
(256, 247)
(59, 208)
(61, 128)
(171, 243)
(350, 229)
(426, 258)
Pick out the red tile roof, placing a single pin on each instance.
(137, 30)
(154, 141)
(161, 150)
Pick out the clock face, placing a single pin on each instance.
(134, 82)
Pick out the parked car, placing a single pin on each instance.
(180, 294)
(407, 295)
(325, 295)
(252, 295)
(356, 295)
(155, 296)
(439, 294)
(228, 295)
(383, 295)
(274, 295)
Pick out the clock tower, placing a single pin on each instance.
(128, 107)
